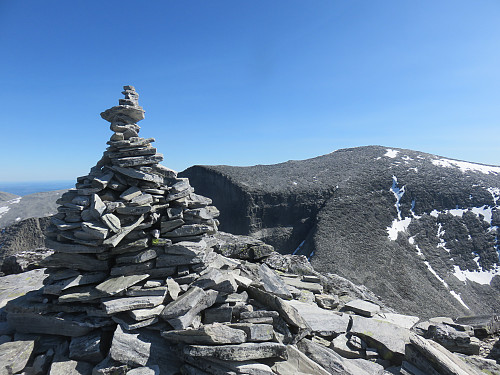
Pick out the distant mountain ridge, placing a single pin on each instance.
(418, 229)
(14, 208)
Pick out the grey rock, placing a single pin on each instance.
(405, 321)
(133, 210)
(136, 258)
(116, 285)
(331, 361)
(128, 348)
(218, 315)
(129, 324)
(188, 230)
(286, 311)
(177, 260)
(139, 175)
(115, 240)
(110, 367)
(207, 335)
(327, 301)
(256, 332)
(73, 248)
(173, 288)
(96, 230)
(151, 370)
(181, 313)
(112, 222)
(97, 207)
(135, 152)
(322, 322)
(136, 291)
(143, 314)
(144, 348)
(483, 324)
(453, 339)
(340, 345)
(241, 352)
(167, 226)
(24, 261)
(36, 323)
(137, 160)
(364, 308)
(75, 261)
(131, 303)
(389, 339)
(86, 348)
(297, 363)
(70, 367)
(313, 287)
(435, 356)
(82, 294)
(273, 283)
(141, 200)
(14, 356)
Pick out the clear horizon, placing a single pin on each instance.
(247, 83)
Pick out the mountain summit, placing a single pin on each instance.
(418, 229)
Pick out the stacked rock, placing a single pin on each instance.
(127, 222)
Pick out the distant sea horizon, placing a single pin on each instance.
(30, 187)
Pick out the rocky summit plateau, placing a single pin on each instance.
(132, 275)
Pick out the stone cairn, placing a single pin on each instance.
(142, 283)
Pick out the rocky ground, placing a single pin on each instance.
(250, 311)
(418, 229)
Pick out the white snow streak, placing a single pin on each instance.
(465, 166)
(495, 193)
(411, 240)
(399, 224)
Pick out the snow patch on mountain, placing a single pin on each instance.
(480, 276)
(465, 166)
(390, 153)
(6, 205)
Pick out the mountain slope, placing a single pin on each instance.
(418, 229)
(32, 205)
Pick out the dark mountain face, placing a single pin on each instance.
(418, 229)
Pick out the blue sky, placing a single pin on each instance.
(247, 82)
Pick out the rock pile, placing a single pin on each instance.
(141, 282)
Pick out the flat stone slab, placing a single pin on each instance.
(131, 303)
(207, 335)
(405, 321)
(86, 348)
(70, 367)
(298, 363)
(306, 285)
(273, 283)
(241, 352)
(389, 339)
(118, 284)
(443, 361)
(36, 323)
(14, 356)
(14, 286)
(75, 261)
(323, 322)
(362, 307)
(143, 348)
